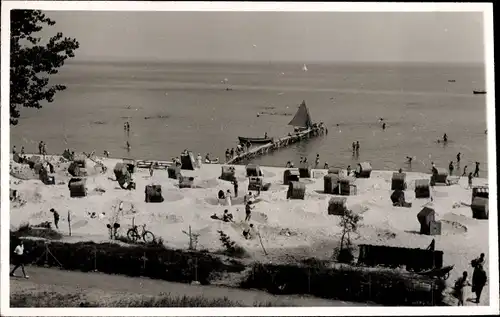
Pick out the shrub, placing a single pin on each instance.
(154, 261)
(231, 248)
(53, 299)
(44, 230)
(350, 284)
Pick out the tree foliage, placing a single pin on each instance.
(32, 62)
(349, 224)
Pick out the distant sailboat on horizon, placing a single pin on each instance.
(304, 68)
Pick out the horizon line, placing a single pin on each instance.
(112, 59)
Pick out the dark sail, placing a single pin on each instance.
(302, 118)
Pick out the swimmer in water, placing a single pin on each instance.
(383, 126)
(128, 146)
(445, 138)
(409, 159)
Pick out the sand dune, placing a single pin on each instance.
(289, 228)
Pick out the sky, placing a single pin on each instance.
(455, 37)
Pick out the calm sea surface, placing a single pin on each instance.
(190, 108)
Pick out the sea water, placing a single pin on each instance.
(177, 106)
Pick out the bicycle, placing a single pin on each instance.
(147, 236)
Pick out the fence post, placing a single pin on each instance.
(308, 280)
(95, 259)
(369, 287)
(69, 222)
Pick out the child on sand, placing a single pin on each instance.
(459, 288)
(465, 171)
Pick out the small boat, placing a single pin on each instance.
(451, 80)
(255, 140)
(479, 92)
(302, 118)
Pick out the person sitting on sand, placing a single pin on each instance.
(207, 158)
(221, 194)
(227, 217)
(247, 232)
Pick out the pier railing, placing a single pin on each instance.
(277, 144)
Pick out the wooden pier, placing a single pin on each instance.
(277, 144)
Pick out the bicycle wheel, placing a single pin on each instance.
(148, 237)
(132, 235)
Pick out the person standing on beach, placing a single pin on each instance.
(465, 171)
(459, 288)
(228, 198)
(235, 185)
(479, 279)
(19, 259)
(470, 180)
(248, 210)
(450, 168)
(357, 147)
(348, 170)
(40, 147)
(200, 160)
(353, 147)
(151, 170)
(317, 161)
(56, 217)
(22, 150)
(476, 171)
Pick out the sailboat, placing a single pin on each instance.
(302, 118)
(304, 68)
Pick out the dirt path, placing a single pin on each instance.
(87, 282)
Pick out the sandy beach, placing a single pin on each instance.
(290, 229)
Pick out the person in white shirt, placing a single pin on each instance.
(199, 159)
(228, 198)
(19, 259)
